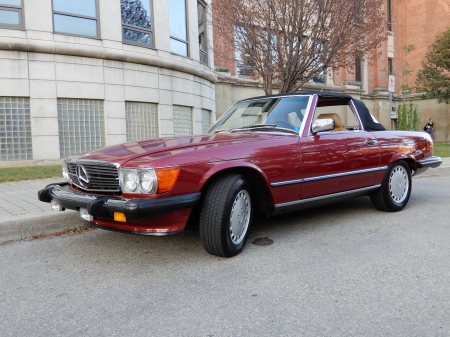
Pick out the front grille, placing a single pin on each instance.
(103, 177)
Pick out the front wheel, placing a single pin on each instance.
(395, 190)
(226, 216)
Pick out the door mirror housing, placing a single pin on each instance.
(323, 124)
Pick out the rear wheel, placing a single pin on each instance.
(226, 216)
(395, 190)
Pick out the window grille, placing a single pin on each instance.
(182, 118)
(15, 129)
(81, 126)
(142, 121)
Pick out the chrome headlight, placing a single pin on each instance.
(148, 182)
(129, 180)
(65, 172)
(138, 181)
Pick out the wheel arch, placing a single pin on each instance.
(261, 195)
(408, 159)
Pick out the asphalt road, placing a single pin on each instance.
(341, 270)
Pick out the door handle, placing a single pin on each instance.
(370, 142)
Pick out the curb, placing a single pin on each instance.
(28, 227)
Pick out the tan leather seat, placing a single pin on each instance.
(338, 125)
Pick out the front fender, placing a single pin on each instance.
(228, 166)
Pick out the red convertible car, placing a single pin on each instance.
(270, 155)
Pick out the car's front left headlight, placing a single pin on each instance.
(138, 181)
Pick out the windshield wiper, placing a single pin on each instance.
(261, 127)
(254, 126)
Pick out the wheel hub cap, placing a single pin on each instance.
(398, 184)
(240, 217)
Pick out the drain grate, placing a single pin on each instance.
(262, 242)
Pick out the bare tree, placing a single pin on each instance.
(288, 42)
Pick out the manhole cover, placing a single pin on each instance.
(262, 242)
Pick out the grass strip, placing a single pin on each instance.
(441, 150)
(28, 173)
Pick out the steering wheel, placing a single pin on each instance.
(284, 124)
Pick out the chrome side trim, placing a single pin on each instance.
(305, 117)
(324, 197)
(337, 175)
(290, 182)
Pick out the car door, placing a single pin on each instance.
(344, 159)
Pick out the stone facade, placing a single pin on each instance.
(45, 68)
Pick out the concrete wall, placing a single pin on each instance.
(43, 66)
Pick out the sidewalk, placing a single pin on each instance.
(23, 216)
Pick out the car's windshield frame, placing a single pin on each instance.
(265, 110)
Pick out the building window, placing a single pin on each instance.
(390, 67)
(206, 120)
(76, 17)
(389, 15)
(137, 22)
(142, 121)
(81, 126)
(358, 76)
(178, 27)
(202, 32)
(11, 14)
(182, 119)
(15, 129)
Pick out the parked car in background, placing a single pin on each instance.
(267, 155)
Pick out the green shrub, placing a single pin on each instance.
(408, 117)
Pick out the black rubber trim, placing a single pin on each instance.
(44, 194)
(104, 206)
(429, 162)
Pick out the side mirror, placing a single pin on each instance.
(323, 124)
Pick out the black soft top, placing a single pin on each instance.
(368, 121)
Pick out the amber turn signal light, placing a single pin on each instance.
(120, 217)
(166, 178)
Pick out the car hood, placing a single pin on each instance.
(162, 147)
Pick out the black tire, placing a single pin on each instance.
(395, 190)
(223, 231)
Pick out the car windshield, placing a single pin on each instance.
(266, 114)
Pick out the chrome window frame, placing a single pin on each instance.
(355, 112)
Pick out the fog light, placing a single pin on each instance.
(56, 206)
(120, 217)
(85, 215)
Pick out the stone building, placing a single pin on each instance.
(80, 74)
